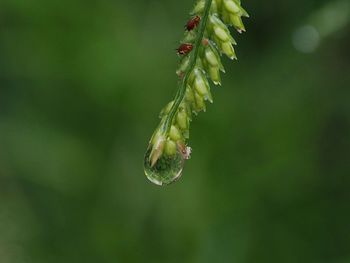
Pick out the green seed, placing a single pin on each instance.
(214, 73)
(170, 147)
(175, 134)
(231, 6)
(228, 50)
(182, 120)
(211, 57)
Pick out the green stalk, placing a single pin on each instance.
(182, 89)
(167, 151)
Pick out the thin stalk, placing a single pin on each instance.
(182, 89)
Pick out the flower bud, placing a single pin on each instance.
(191, 77)
(217, 55)
(189, 96)
(190, 37)
(205, 62)
(158, 142)
(166, 109)
(231, 6)
(228, 50)
(221, 33)
(199, 64)
(199, 7)
(201, 85)
(190, 100)
(182, 120)
(187, 108)
(183, 66)
(214, 74)
(211, 57)
(237, 23)
(225, 15)
(175, 134)
(220, 30)
(170, 148)
(200, 104)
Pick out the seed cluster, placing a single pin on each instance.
(216, 41)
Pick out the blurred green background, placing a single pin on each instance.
(81, 86)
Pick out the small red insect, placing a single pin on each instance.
(184, 49)
(193, 22)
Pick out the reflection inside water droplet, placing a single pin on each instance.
(166, 170)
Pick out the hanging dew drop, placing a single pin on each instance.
(167, 169)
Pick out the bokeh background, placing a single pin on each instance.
(81, 86)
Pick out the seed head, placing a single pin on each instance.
(208, 35)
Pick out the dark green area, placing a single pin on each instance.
(81, 86)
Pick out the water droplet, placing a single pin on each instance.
(166, 170)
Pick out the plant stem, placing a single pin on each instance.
(182, 89)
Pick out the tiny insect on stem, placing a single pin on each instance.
(184, 49)
(193, 23)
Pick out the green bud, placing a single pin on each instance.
(214, 74)
(189, 96)
(190, 100)
(166, 109)
(204, 62)
(201, 85)
(183, 65)
(155, 137)
(175, 134)
(182, 120)
(190, 37)
(211, 57)
(199, 7)
(231, 6)
(228, 50)
(217, 55)
(221, 32)
(170, 148)
(219, 29)
(237, 23)
(225, 16)
(199, 63)
(191, 77)
(157, 148)
(187, 108)
(200, 104)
